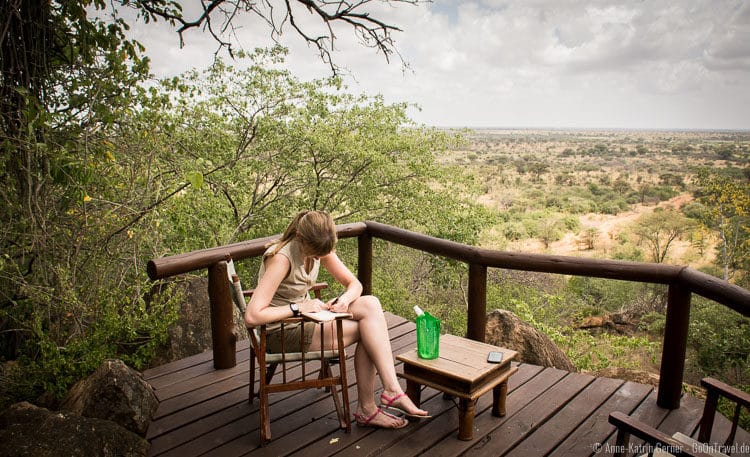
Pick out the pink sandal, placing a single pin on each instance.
(387, 402)
(366, 422)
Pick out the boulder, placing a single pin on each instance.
(114, 392)
(507, 330)
(27, 430)
(191, 334)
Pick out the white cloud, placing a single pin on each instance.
(555, 63)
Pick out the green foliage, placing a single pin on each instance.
(203, 160)
(587, 352)
(596, 352)
(720, 339)
(249, 147)
(726, 212)
(607, 295)
(71, 286)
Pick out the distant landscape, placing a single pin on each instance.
(590, 193)
(532, 170)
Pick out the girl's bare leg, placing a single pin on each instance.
(373, 336)
(372, 356)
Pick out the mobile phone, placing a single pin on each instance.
(495, 357)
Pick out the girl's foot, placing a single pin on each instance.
(401, 403)
(380, 419)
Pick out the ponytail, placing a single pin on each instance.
(316, 230)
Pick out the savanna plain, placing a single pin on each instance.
(644, 196)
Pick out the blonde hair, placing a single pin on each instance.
(316, 231)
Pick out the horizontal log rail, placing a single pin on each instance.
(682, 282)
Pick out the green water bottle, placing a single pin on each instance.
(428, 335)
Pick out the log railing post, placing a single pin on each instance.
(675, 346)
(477, 312)
(222, 317)
(364, 262)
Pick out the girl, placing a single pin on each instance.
(289, 269)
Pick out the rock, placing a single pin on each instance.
(507, 330)
(627, 374)
(596, 322)
(114, 392)
(27, 430)
(191, 334)
(620, 319)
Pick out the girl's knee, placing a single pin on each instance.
(372, 303)
(369, 304)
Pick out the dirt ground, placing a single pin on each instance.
(609, 227)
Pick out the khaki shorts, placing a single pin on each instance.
(291, 338)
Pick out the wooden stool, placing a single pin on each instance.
(462, 371)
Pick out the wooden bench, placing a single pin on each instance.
(461, 371)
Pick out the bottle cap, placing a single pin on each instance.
(418, 310)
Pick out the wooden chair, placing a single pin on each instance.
(291, 380)
(680, 444)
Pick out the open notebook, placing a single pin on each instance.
(325, 315)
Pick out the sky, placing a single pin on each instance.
(621, 64)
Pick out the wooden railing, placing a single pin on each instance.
(682, 282)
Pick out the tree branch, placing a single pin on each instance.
(373, 32)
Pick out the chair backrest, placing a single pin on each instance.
(235, 287)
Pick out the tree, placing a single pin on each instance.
(728, 214)
(66, 74)
(251, 146)
(659, 229)
(549, 230)
(589, 237)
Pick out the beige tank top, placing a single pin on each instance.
(297, 283)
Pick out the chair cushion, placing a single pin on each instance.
(295, 356)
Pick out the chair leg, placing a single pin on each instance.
(341, 412)
(325, 372)
(270, 371)
(264, 417)
(251, 388)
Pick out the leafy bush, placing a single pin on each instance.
(720, 339)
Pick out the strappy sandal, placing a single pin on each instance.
(363, 421)
(386, 402)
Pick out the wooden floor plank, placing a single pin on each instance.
(531, 417)
(596, 429)
(484, 422)
(559, 427)
(445, 425)
(405, 337)
(685, 419)
(549, 412)
(290, 427)
(647, 412)
(170, 368)
(178, 377)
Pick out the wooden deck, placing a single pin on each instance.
(549, 412)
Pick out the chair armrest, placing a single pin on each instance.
(714, 390)
(627, 426)
(727, 391)
(317, 287)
